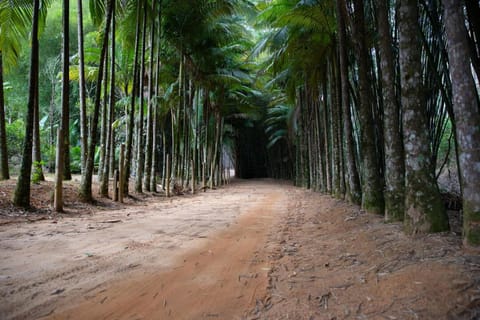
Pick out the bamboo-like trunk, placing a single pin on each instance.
(424, 209)
(59, 158)
(150, 113)
(131, 115)
(81, 88)
(21, 195)
(372, 184)
(4, 172)
(85, 191)
(121, 168)
(467, 119)
(394, 159)
(140, 133)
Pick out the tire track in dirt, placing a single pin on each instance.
(221, 279)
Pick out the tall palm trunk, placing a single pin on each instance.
(140, 139)
(4, 172)
(21, 196)
(131, 115)
(103, 124)
(109, 105)
(86, 182)
(394, 160)
(372, 185)
(150, 113)
(81, 88)
(64, 125)
(467, 118)
(424, 210)
(37, 154)
(354, 193)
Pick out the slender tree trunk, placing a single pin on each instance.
(354, 193)
(64, 129)
(327, 138)
(4, 172)
(150, 113)
(21, 196)
(424, 210)
(81, 88)
(65, 124)
(51, 119)
(140, 140)
(37, 154)
(111, 132)
(109, 106)
(103, 127)
(467, 118)
(86, 183)
(372, 188)
(394, 159)
(336, 144)
(131, 115)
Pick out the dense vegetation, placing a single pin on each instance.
(366, 100)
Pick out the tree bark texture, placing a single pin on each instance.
(86, 182)
(4, 172)
(394, 159)
(467, 118)
(372, 184)
(424, 210)
(354, 193)
(21, 196)
(81, 88)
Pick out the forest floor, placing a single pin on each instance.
(258, 249)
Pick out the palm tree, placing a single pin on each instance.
(467, 117)
(394, 161)
(22, 191)
(372, 184)
(423, 207)
(4, 172)
(15, 17)
(131, 112)
(140, 134)
(107, 152)
(81, 86)
(86, 181)
(354, 193)
(62, 141)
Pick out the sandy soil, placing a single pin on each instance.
(251, 250)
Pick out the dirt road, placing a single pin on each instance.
(251, 250)
(185, 257)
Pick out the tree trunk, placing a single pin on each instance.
(131, 115)
(86, 182)
(4, 172)
(354, 193)
(37, 174)
(109, 106)
(372, 187)
(394, 159)
(21, 196)
(150, 113)
(424, 210)
(81, 87)
(103, 125)
(64, 125)
(467, 118)
(140, 140)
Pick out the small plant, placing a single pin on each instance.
(37, 173)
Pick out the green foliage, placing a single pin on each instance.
(15, 136)
(75, 159)
(37, 173)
